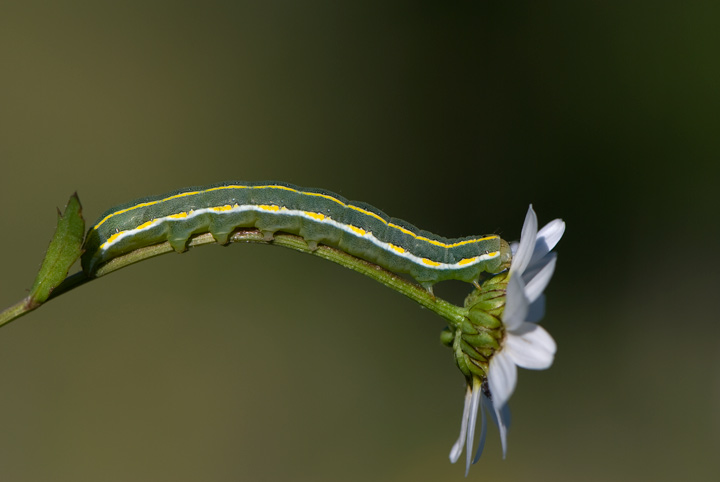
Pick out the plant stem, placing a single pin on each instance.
(452, 313)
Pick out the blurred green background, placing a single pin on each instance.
(257, 363)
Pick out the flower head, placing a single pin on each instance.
(524, 344)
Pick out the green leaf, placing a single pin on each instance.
(65, 248)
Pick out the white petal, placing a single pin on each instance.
(516, 303)
(503, 418)
(535, 287)
(527, 243)
(537, 310)
(483, 432)
(536, 266)
(502, 377)
(458, 447)
(474, 405)
(530, 347)
(547, 238)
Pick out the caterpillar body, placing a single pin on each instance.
(316, 215)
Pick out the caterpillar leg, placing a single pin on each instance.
(221, 237)
(428, 287)
(178, 244)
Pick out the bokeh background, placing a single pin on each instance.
(258, 363)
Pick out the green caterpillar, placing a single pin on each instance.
(316, 215)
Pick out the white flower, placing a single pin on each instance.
(526, 344)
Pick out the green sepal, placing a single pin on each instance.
(476, 367)
(493, 304)
(491, 296)
(467, 327)
(65, 248)
(476, 352)
(480, 354)
(481, 341)
(460, 357)
(483, 319)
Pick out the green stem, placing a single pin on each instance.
(452, 313)
(16, 311)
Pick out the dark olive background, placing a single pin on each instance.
(257, 363)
